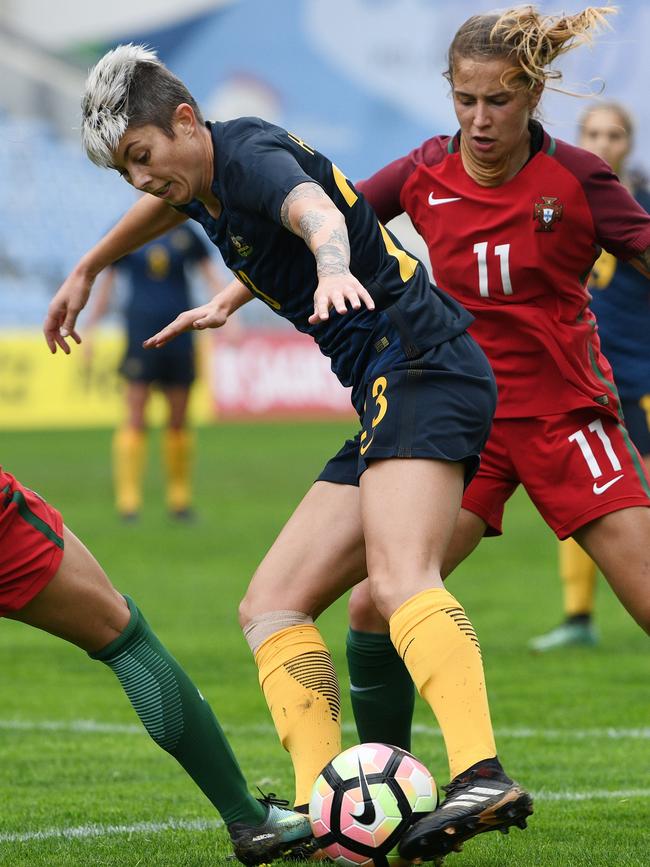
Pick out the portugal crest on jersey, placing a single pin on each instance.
(547, 212)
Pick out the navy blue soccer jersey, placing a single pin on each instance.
(157, 279)
(256, 165)
(621, 302)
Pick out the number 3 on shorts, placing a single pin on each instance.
(379, 387)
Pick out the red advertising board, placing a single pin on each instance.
(266, 373)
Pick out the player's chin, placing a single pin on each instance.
(176, 200)
(178, 195)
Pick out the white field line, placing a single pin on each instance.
(593, 795)
(83, 726)
(83, 832)
(80, 832)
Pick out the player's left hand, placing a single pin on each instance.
(64, 309)
(210, 315)
(338, 291)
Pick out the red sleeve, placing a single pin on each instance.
(622, 226)
(383, 190)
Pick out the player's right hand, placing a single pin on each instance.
(64, 309)
(210, 315)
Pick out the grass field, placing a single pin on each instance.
(81, 784)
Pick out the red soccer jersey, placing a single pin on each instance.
(517, 256)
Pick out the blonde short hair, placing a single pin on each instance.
(129, 86)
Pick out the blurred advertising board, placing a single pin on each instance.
(39, 390)
(261, 374)
(273, 373)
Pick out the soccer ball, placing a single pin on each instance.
(364, 800)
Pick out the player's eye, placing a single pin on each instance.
(143, 158)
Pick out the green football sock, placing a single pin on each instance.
(178, 718)
(381, 690)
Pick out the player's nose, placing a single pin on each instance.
(141, 179)
(482, 116)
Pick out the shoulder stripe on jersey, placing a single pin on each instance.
(551, 146)
(342, 183)
(407, 264)
(450, 146)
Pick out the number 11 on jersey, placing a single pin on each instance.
(503, 252)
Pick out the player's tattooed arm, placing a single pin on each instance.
(333, 256)
(309, 194)
(309, 213)
(642, 262)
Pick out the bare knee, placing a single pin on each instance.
(362, 611)
(245, 611)
(265, 593)
(387, 589)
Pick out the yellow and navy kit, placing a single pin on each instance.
(158, 289)
(620, 300)
(420, 384)
(256, 166)
(157, 279)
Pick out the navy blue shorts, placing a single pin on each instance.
(169, 365)
(437, 406)
(637, 421)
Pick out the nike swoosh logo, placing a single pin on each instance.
(368, 816)
(433, 201)
(354, 688)
(600, 489)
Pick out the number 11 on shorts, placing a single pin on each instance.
(580, 438)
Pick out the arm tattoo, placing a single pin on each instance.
(302, 191)
(310, 223)
(333, 257)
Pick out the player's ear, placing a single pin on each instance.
(534, 96)
(185, 119)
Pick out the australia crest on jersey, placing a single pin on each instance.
(240, 245)
(547, 213)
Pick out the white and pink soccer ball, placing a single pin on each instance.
(364, 800)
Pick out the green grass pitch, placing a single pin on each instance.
(80, 784)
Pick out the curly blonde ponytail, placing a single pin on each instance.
(532, 41)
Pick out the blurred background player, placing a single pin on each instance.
(158, 280)
(623, 314)
(49, 580)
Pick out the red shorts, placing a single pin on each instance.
(575, 467)
(31, 544)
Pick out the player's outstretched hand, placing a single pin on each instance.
(209, 315)
(64, 309)
(340, 291)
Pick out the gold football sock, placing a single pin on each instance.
(578, 573)
(178, 451)
(301, 689)
(129, 459)
(439, 647)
